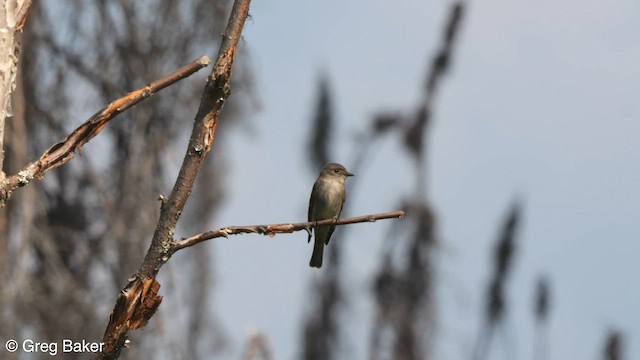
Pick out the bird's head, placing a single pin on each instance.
(333, 170)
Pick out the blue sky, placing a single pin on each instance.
(542, 103)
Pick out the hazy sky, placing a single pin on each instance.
(543, 102)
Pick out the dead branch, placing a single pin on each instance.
(258, 347)
(133, 300)
(21, 14)
(9, 54)
(64, 150)
(271, 230)
(216, 92)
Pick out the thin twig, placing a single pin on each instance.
(271, 230)
(21, 14)
(64, 150)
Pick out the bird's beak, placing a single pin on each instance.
(349, 174)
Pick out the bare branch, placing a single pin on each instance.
(216, 92)
(64, 150)
(271, 230)
(21, 14)
(9, 54)
(258, 347)
(132, 300)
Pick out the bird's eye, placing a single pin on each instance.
(336, 171)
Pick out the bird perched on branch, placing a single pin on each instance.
(327, 198)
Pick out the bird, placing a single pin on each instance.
(327, 199)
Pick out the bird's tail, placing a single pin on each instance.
(316, 257)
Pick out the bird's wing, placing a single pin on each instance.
(311, 207)
(331, 228)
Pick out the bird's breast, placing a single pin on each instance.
(330, 196)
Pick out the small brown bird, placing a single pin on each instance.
(327, 198)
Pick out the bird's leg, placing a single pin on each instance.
(308, 227)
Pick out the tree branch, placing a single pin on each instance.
(216, 92)
(9, 54)
(139, 300)
(271, 230)
(64, 150)
(21, 14)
